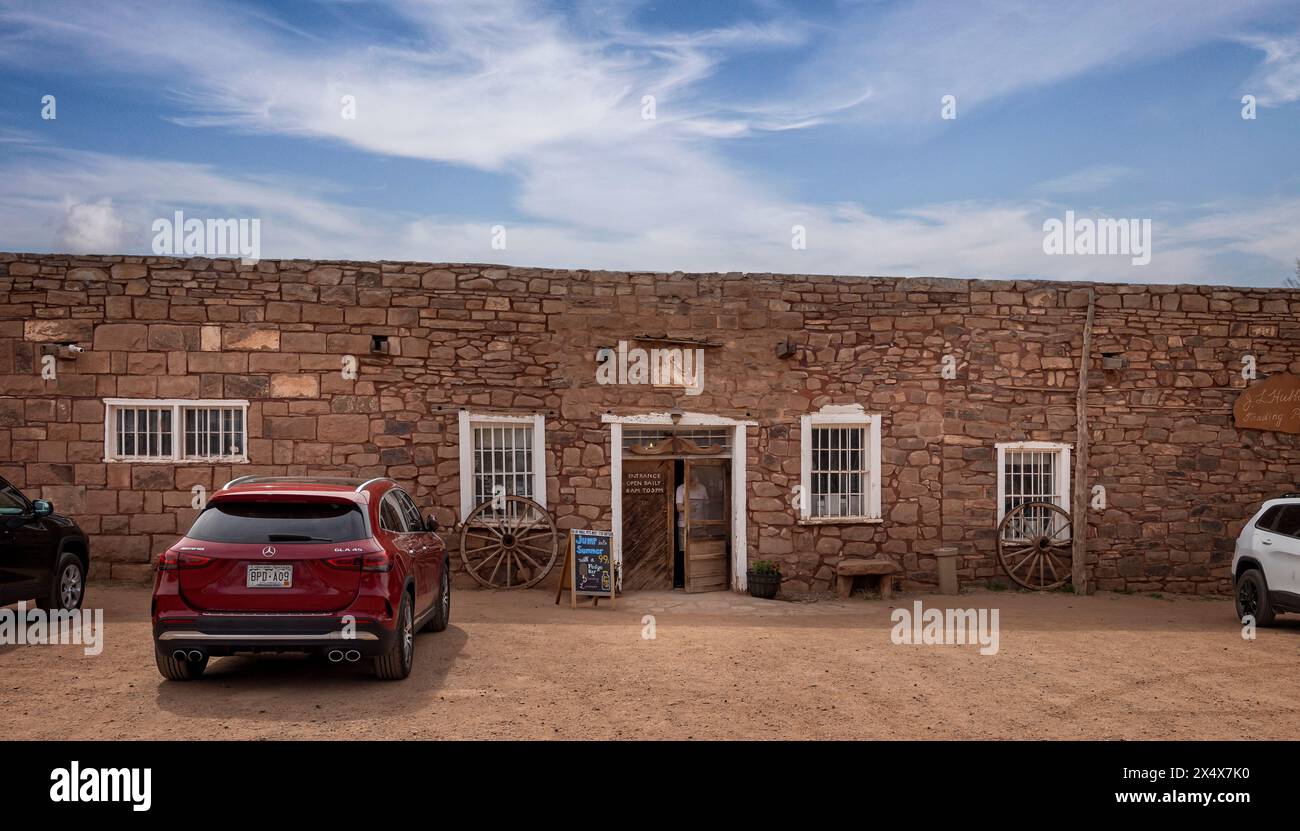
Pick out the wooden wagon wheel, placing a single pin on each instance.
(1034, 541)
(508, 543)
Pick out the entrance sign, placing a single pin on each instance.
(1272, 404)
(648, 518)
(588, 567)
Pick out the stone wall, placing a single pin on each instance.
(1180, 479)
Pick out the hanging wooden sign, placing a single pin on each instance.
(588, 567)
(1272, 404)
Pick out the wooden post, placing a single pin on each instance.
(1079, 552)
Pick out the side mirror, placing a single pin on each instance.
(430, 523)
(42, 507)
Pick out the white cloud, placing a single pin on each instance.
(90, 228)
(1277, 81)
(981, 51)
(1087, 180)
(504, 87)
(723, 233)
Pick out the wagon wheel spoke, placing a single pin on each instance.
(500, 559)
(521, 555)
(539, 549)
(530, 537)
(1051, 564)
(1028, 557)
(1050, 561)
(481, 548)
(486, 560)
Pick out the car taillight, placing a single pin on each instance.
(377, 561)
(175, 560)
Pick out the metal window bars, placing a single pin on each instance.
(144, 432)
(839, 473)
(213, 432)
(1032, 476)
(503, 462)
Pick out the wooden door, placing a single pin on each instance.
(647, 524)
(707, 506)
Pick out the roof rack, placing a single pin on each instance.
(253, 480)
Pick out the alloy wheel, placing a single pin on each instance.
(1248, 598)
(70, 586)
(408, 637)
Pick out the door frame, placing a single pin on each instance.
(739, 452)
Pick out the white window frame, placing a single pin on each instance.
(470, 420)
(852, 416)
(177, 407)
(1065, 480)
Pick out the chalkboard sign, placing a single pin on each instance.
(590, 565)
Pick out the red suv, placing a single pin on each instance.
(329, 566)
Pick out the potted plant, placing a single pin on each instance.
(764, 578)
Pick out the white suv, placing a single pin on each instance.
(1266, 567)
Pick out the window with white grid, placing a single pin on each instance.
(172, 430)
(500, 456)
(840, 480)
(839, 472)
(142, 433)
(503, 461)
(1033, 472)
(214, 432)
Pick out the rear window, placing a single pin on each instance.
(1287, 522)
(279, 522)
(1270, 516)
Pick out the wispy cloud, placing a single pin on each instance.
(512, 88)
(1087, 180)
(1277, 81)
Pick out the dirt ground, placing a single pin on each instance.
(514, 665)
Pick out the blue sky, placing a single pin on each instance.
(767, 115)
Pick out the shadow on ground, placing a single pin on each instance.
(291, 687)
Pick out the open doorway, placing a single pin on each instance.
(676, 511)
(703, 519)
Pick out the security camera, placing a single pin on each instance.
(72, 347)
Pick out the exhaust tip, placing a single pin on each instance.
(353, 656)
(180, 655)
(196, 655)
(335, 656)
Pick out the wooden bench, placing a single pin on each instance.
(882, 570)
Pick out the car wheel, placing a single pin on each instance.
(442, 604)
(67, 584)
(1252, 597)
(176, 670)
(395, 664)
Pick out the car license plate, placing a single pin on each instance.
(270, 577)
